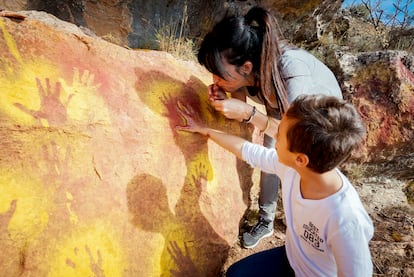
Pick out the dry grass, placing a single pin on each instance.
(172, 38)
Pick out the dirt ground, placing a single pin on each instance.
(383, 189)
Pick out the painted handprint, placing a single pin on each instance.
(52, 108)
(96, 266)
(84, 81)
(200, 175)
(185, 266)
(170, 104)
(58, 175)
(88, 105)
(189, 144)
(58, 167)
(6, 217)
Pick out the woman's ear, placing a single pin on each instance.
(302, 160)
(247, 68)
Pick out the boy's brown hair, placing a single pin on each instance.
(327, 130)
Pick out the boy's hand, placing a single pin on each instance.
(192, 120)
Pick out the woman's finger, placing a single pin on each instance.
(217, 105)
(216, 93)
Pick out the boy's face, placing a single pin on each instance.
(282, 146)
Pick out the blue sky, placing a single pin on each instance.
(387, 5)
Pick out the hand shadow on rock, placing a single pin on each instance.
(205, 250)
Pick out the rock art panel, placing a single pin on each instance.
(94, 178)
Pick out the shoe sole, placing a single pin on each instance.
(254, 245)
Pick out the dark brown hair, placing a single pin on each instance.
(327, 130)
(254, 37)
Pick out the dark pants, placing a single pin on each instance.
(269, 183)
(272, 262)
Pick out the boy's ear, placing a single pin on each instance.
(302, 160)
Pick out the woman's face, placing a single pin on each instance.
(234, 79)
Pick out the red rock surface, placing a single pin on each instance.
(94, 179)
(381, 85)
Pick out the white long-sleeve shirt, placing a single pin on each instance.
(326, 237)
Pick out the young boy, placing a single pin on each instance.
(328, 229)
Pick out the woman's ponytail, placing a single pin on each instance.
(271, 79)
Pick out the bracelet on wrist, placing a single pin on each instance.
(251, 115)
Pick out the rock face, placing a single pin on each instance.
(381, 85)
(136, 23)
(304, 21)
(94, 179)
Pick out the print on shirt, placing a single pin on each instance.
(311, 236)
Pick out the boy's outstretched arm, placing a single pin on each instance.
(193, 124)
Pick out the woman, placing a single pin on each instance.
(247, 58)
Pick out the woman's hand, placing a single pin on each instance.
(193, 121)
(216, 93)
(233, 108)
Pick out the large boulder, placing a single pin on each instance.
(94, 178)
(381, 86)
